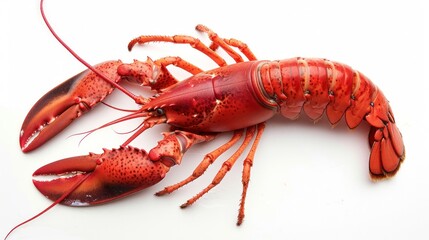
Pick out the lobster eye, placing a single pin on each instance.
(159, 112)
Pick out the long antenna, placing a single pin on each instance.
(89, 66)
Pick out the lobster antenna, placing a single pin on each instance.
(59, 200)
(89, 66)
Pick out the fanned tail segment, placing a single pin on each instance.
(318, 85)
(387, 146)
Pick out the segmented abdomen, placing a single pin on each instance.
(318, 84)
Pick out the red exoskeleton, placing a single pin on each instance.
(238, 97)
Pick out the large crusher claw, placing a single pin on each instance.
(99, 178)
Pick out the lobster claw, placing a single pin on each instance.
(66, 102)
(99, 178)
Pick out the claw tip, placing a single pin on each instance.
(25, 143)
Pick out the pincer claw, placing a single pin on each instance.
(99, 178)
(64, 103)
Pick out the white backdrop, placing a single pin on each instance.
(308, 180)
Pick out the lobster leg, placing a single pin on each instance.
(225, 44)
(180, 39)
(179, 62)
(241, 46)
(211, 157)
(247, 165)
(205, 163)
(226, 167)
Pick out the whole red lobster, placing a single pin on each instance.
(239, 97)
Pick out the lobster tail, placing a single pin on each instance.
(385, 140)
(315, 86)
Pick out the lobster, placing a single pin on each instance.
(238, 97)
